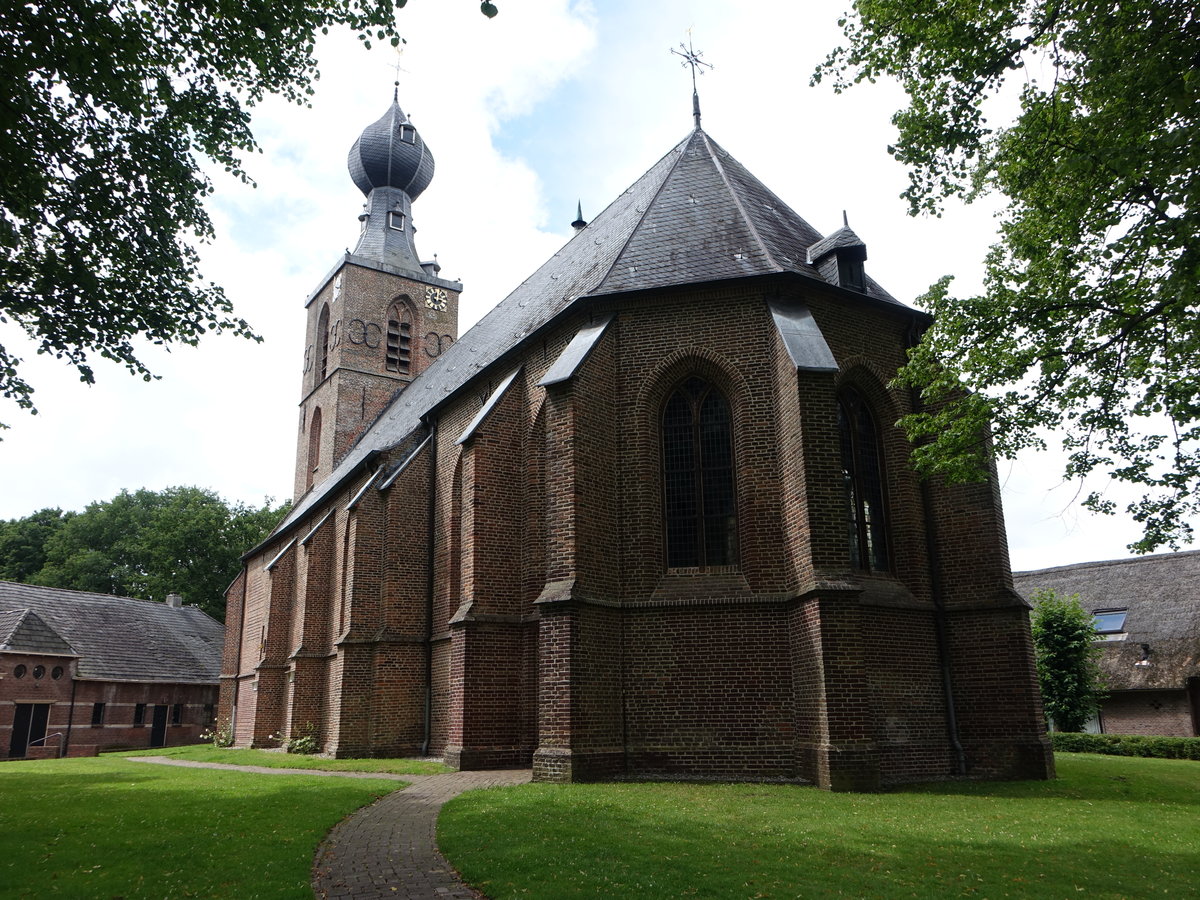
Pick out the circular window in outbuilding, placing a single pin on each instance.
(39, 671)
(19, 672)
(56, 672)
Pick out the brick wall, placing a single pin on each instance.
(558, 635)
(73, 723)
(1148, 712)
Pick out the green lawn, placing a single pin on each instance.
(1108, 827)
(276, 760)
(112, 828)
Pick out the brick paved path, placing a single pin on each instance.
(389, 849)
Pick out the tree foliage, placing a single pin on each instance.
(1087, 323)
(1064, 638)
(144, 544)
(23, 543)
(110, 108)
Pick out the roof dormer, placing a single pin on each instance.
(839, 258)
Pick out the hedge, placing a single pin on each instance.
(1127, 745)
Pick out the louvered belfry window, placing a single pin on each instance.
(862, 478)
(323, 340)
(698, 483)
(399, 339)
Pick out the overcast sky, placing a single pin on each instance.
(550, 103)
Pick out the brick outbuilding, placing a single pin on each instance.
(649, 517)
(83, 672)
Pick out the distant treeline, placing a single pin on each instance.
(145, 544)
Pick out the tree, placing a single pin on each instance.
(23, 543)
(1087, 323)
(144, 544)
(109, 110)
(1064, 638)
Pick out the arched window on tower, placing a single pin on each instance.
(399, 339)
(862, 478)
(698, 485)
(314, 448)
(323, 341)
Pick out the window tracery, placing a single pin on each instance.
(698, 480)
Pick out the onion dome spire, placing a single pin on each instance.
(392, 166)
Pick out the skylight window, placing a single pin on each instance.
(1110, 624)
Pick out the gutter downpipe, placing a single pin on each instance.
(935, 592)
(429, 587)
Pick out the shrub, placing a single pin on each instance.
(303, 740)
(1064, 638)
(1127, 745)
(220, 735)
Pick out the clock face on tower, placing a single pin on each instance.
(435, 298)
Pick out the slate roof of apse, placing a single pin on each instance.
(696, 216)
(1162, 596)
(119, 638)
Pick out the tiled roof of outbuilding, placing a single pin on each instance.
(1162, 596)
(24, 631)
(696, 216)
(121, 639)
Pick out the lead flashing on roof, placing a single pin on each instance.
(357, 498)
(312, 531)
(576, 353)
(390, 480)
(280, 555)
(802, 337)
(488, 406)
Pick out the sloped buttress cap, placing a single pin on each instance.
(390, 153)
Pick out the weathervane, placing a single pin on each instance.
(692, 58)
(396, 79)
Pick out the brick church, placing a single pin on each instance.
(650, 517)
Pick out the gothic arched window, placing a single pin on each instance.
(862, 477)
(314, 447)
(398, 356)
(698, 490)
(323, 341)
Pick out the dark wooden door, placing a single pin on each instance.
(158, 729)
(29, 725)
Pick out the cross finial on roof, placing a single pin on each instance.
(692, 58)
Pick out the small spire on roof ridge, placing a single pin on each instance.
(845, 220)
(579, 224)
(692, 58)
(396, 91)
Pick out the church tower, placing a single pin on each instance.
(382, 315)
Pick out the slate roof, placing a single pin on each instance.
(116, 638)
(843, 237)
(24, 631)
(1162, 596)
(696, 216)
